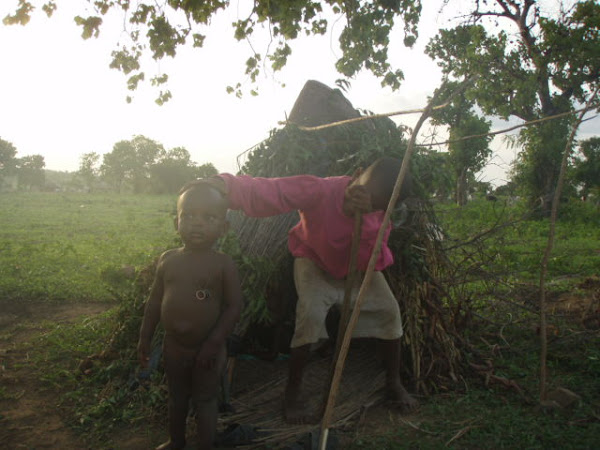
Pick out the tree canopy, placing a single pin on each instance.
(31, 172)
(142, 165)
(532, 65)
(162, 28)
(587, 167)
(532, 62)
(465, 156)
(8, 159)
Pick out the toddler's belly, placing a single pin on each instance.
(189, 322)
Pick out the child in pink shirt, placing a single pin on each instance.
(320, 244)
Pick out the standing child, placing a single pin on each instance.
(197, 297)
(320, 244)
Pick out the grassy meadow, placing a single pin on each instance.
(72, 247)
(515, 243)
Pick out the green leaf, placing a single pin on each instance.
(90, 25)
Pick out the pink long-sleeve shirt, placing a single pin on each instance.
(324, 233)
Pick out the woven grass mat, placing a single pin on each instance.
(261, 385)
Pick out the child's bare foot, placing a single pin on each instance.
(398, 396)
(295, 411)
(170, 446)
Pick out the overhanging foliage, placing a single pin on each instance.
(162, 28)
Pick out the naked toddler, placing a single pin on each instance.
(196, 295)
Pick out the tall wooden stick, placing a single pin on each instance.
(550, 244)
(341, 359)
(339, 365)
(506, 130)
(346, 306)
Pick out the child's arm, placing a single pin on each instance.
(264, 197)
(232, 308)
(151, 315)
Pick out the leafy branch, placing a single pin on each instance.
(161, 28)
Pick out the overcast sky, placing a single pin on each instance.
(59, 98)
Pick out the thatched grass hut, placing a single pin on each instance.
(266, 265)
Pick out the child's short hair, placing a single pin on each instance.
(200, 183)
(203, 185)
(386, 169)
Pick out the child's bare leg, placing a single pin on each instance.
(178, 370)
(206, 385)
(206, 422)
(395, 390)
(294, 408)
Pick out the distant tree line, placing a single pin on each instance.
(142, 165)
(24, 173)
(138, 166)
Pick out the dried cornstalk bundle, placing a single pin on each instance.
(428, 311)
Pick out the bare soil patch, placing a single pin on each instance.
(29, 415)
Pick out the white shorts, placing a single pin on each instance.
(318, 292)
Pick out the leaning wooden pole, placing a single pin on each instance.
(341, 359)
(550, 244)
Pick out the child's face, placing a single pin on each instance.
(201, 218)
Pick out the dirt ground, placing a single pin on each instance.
(30, 415)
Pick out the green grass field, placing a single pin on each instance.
(515, 245)
(72, 247)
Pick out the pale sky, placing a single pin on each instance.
(58, 97)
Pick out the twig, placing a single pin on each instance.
(412, 425)
(459, 434)
(500, 333)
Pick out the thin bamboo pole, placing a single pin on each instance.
(506, 130)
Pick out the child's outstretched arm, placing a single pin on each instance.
(151, 315)
(265, 197)
(232, 308)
